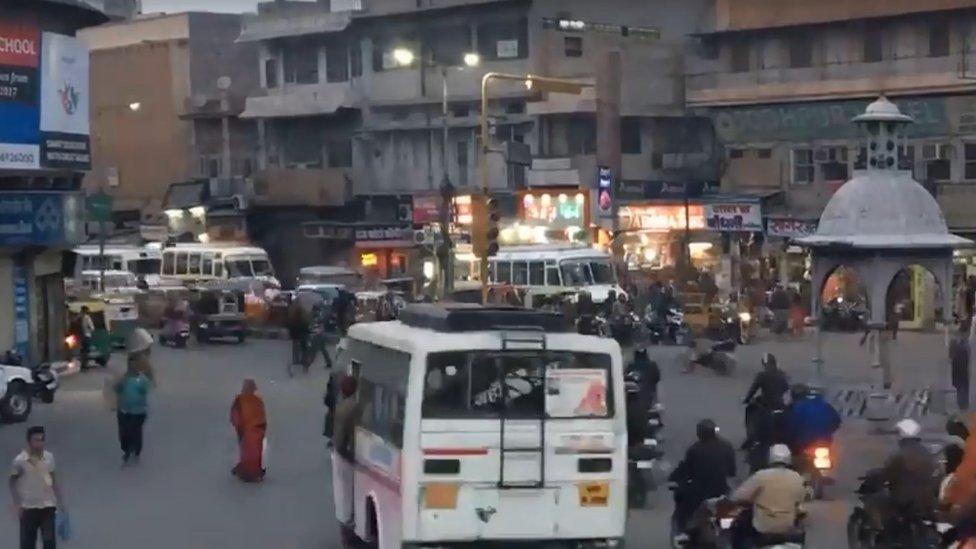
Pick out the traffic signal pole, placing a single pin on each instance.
(534, 83)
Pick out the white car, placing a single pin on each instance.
(18, 387)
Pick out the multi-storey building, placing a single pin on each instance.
(782, 79)
(167, 92)
(351, 99)
(44, 153)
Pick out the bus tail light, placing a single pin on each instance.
(440, 495)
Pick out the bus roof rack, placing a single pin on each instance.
(467, 317)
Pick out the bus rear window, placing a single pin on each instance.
(517, 384)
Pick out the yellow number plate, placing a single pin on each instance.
(594, 494)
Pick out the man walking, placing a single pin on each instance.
(132, 392)
(87, 331)
(36, 492)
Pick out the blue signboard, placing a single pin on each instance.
(41, 219)
(21, 310)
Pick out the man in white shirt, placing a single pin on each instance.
(36, 492)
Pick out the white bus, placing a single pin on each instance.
(142, 261)
(467, 433)
(215, 261)
(555, 266)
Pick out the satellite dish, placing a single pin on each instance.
(199, 100)
(224, 83)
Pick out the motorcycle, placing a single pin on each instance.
(641, 461)
(843, 315)
(901, 532)
(718, 358)
(745, 327)
(816, 465)
(175, 332)
(764, 427)
(672, 329)
(711, 527)
(625, 329)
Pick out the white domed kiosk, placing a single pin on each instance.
(879, 223)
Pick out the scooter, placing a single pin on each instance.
(901, 533)
(672, 330)
(745, 328)
(816, 465)
(175, 332)
(718, 358)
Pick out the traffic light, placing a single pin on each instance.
(479, 226)
(494, 217)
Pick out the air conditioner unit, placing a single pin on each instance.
(422, 237)
(936, 151)
(404, 212)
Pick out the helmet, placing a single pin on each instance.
(780, 453)
(769, 360)
(706, 429)
(908, 429)
(138, 341)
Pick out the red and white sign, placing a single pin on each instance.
(734, 217)
(20, 44)
(426, 209)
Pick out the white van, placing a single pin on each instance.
(483, 424)
(141, 261)
(554, 267)
(216, 261)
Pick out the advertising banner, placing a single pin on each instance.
(42, 219)
(20, 46)
(576, 392)
(426, 209)
(787, 227)
(734, 217)
(64, 97)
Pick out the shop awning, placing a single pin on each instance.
(380, 244)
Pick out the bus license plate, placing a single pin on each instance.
(594, 494)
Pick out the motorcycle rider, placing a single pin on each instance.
(910, 474)
(774, 495)
(703, 473)
(586, 314)
(770, 386)
(651, 373)
(810, 419)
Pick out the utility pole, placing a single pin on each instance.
(447, 202)
(608, 137)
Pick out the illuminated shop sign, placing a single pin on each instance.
(554, 209)
(661, 218)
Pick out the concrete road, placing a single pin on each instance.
(183, 496)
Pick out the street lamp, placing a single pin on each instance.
(135, 106)
(405, 57)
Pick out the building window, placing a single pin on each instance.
(740, 56)
(301, 63)
(833, 163)
(515, 107)
(271, 73)
(449, 44)
(764, 154)
(657, 161)
(355, 59)
(709, 49)
(630, 135)
(803, 168)
(861, 159)
(336, 62)
(462, 162)
(340, 153)
(581, 135)
(383, 48)
(801, 50)
(735, 154)
(573, 46)
(906, 158)
(873, 44)
(301, 141)
(504, 40)
(939, 39)
(938, 163)
(970, 153)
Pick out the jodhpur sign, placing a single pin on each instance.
(819, 120)
(733, 217)
(42, 219)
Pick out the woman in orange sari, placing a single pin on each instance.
(247, 416)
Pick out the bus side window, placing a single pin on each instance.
(537, 273)
(194, 264)
(169, 264)
(181, 263)
(520, 273)
(208, 264)
(492, 276)
(552, 275)
(504, 272)
(117, 264)
(219, 268)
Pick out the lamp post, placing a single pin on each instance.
(406, 57)
(532, 83)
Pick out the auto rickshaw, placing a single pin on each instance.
(100, 345)
(217, 313)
